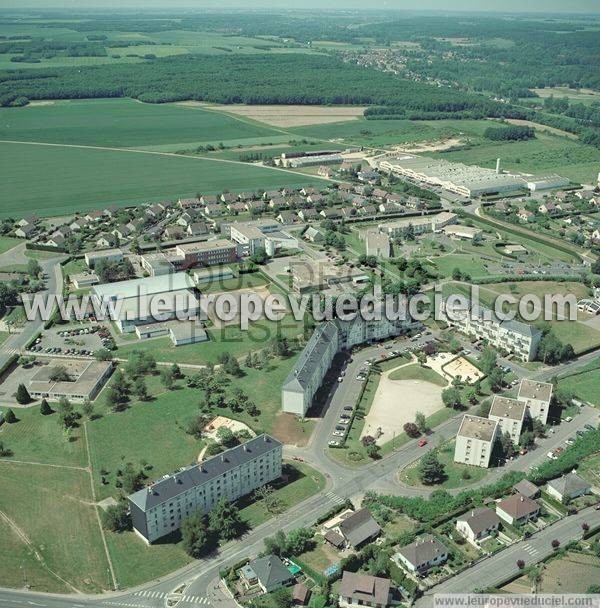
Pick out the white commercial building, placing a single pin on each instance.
(106, 255)
(475, 441)
(420, 224)
(150, 300)
(466, 180)
(535, 183)
(160, 508)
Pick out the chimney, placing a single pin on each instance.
(497, 165)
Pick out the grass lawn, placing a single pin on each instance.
(16, 316)
(7, 242)
(37, 438)
(18, 560)
(585, 383)
(60, 523)
(589, 468)
(132, 435)
(572, 571)
(306, 481)
(135, 562)
(319, 558)
(418, 372)
(230, 339)
(77, 179)
(472, 264)
(454, 471)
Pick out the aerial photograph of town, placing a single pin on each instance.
(299, 304)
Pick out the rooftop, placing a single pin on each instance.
(570, 483)
(480, 519)
(83, 376)
(517, 505)
(365, 588)
(190, 477)
(532, 389)
(423, 550)
(476, 427)
(133, 288)
(503, 407)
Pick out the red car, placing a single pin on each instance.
(422, 442)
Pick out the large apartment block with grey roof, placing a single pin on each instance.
(512, 336)
(160, 508)
(328, 339)
(510, 415)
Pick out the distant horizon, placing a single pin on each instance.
(501, 7)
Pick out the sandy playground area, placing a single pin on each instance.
(396, 402)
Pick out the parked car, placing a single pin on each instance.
(422, 442)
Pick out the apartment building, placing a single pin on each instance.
(510, 415)
(537, 397)
(207, 253)
(160, 508)
(515, 337)
(420, 224)
(328, 339)
(475, 441)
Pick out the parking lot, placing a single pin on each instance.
(77, 340)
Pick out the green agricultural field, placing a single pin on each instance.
(124, 123)
(61, 523)
(75, 179)
(6, 243)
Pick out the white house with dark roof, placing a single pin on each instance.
(422, 555)
(477, 524)
(159, 509)
(568, 486)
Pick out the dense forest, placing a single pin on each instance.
(267, 79)
(509, 133)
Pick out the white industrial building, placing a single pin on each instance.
(171, 295)
(466, 180)
(535, 183)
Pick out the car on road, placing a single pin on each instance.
(338, 433)
(344, 417)
(348, 408)
(334, 444)
(422, 442)
(569, 441)
(568, 419)
(552, 455)
(340, 378)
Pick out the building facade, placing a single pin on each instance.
(475, 441)
(160, 508)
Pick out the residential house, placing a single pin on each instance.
(306, 215)
(477, 524)
(524, 215)
(359, 589)
(358, 201)
(30, 220)
(104, 240)
(367, 210)
(358, 529)
(122, 231)
(279, 202)
(568, 486)
(79, 224)
(313, 235)
(229, 197)
(300, 595)
(188, 203)
(213, 210)
(348, 212)
(547, 207)
(331, 214)
(517, 509)
(63, 231)
(286, 217)
(196, 229)
(237, 207)
(425, 553)
(136, 225)
(526, 488)
(268, 573)
(25, 232)
(154, 211)
(316, 199)
(174, 232)
(255, 206)
(188, 217)
(56, 241)
(95, 216)
(208, 199)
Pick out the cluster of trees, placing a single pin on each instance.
(201, 533)
(252, 79)
(552, 350)
(509, 133)
(109, 272)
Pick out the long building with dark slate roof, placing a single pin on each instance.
(160, 508)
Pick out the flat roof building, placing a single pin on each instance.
(537, 396)
(475, 441)
(107, 255)
(510, 415)
(80, 379)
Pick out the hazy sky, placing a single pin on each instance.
(545, 6)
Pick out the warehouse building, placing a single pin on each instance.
(465, 180)
(160, 508)
(535, 183)
(171, 294)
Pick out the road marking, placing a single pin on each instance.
(153, 594)
(334, 497)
